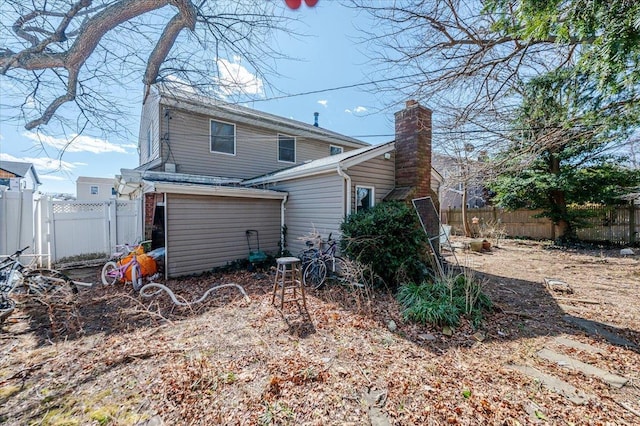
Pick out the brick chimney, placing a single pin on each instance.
(413, 151)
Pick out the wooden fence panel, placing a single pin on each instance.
(615, 224)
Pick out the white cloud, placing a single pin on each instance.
(178, 83)
(78, 143)
(235, 78)
(323, 102)
(356, 110)
(41, 164)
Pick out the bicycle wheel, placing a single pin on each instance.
(314, 274)
(136, 277)
(41, 281)
(338, 269)
(110, 273)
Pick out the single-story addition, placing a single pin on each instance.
(202, 220)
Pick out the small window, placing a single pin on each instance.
(364, 198)
(223, 137)
(94, 190)
(286, 149)
(114, 192)
(335, 150)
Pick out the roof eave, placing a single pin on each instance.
(344, 164)
(219, 191)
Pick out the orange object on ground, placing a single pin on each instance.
(147, 264)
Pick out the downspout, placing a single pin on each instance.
(282, 223)
(347, 178)
(166, 238)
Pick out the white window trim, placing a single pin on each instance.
(295, 149)
(373, 195)
(149, 141)
(234, 138)
(336, 146)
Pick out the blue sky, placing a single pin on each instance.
(329, 57)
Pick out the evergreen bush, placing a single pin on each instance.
(389, 239)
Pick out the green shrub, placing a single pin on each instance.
(389, 239)
(444, 301)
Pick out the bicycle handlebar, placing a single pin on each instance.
(19, 252)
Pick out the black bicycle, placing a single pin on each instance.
(319, 264)
(17, 277)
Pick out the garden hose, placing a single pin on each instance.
(144, 292)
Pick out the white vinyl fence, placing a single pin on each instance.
(66, 229)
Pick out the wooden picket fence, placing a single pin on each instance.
(614, 224)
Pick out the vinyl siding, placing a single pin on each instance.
(150, 117)
(377, 173)
(256, 149)
(204, 232)
(315, 202)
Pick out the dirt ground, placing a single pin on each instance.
(115, 357)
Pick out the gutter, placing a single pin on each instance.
(347, 178)
(282, 223)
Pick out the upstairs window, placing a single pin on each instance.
(223, 137)
(94, 190)
(286, 149)
(335, 150)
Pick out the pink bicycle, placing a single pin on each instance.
(126, 269)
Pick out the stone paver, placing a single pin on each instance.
(562, 360)
(564, 341)
(554, 383)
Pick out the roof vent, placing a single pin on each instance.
(315, 118)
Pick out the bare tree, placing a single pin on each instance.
(64, 57)
(469, 61)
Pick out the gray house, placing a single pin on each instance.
(210, 171)
(18, 176)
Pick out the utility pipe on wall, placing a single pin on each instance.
(347, 179)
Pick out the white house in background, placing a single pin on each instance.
(18, 176)
(94, 188)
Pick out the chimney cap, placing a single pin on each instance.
(411, 103)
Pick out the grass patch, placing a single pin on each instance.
(444, 301)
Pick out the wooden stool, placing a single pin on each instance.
(288, 277)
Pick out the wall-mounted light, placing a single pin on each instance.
(387, 155)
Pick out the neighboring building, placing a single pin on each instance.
(19, 176)
(453, 177)
(94, 188)
(210, 171)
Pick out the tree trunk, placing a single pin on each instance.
(557, 197)
(465, 212)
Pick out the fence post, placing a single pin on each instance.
(112, 225)
(632, 223)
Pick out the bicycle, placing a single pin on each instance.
(121, 269)
(319, 264)
(16, 276)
